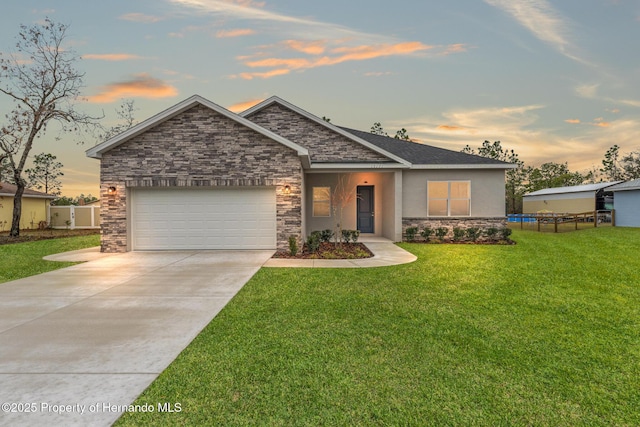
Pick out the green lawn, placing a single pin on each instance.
(546, 332)
(25, 259)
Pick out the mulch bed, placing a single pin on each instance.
(33, 235)
(331, 251)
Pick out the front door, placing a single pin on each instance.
(365, 208)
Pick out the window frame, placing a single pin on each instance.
(449, 198)
(323, 201)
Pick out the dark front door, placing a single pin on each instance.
(365, 208)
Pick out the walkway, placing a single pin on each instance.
(385, 253)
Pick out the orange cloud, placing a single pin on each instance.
(450, 128)
(573, 121)
(265, 75)
(141, 17)
(602, 124)
(360, 53)
(311, 48)
(357, 53)
(455, 48)
(141, 86)
(245, 105)
(111, 56)
(234, 33)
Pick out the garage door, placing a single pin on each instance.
(196, 218)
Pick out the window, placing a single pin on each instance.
(449, 198)
(321, 201)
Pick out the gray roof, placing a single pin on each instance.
(572, 189)
(7, 189)
(417, 153)
(630, 185)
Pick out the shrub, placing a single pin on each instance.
(411, 233)
(313, 242)
(491, 233)
(350, 236)
(506, 232)
(326, 235)
(458, 234)
(426, 233)
(441, 232)
(293, 245)
(474, 233)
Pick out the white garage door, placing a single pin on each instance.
(198, 218)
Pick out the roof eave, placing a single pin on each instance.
(465, 166)
(358, 166)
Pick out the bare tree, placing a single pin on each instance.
(344, 193)
(40, 77)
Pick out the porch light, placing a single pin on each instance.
(111, 191)
(287, 189)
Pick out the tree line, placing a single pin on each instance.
(523, 179)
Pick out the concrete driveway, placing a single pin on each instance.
(78, 343)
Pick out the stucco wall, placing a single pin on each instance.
(323, 144)
(627, 206)
(487, 190)
(33, 211)
(199, 147)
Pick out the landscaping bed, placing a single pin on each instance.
(328, 250)
(34, 235)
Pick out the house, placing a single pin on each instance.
(627, 203)
(574, 199)
(34, 207)
(197, 176)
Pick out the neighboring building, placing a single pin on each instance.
(627, 203)
(197, 176)
(34, 207)
(574, 199)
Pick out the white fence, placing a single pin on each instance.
(74, 217)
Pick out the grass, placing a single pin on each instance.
(25, 259)
(545, 332)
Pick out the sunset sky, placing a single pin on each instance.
(554, 80)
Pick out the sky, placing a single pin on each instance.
(553, 80)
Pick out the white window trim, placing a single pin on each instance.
(449, 198)
(313, 202)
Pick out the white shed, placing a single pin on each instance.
(574, 199)
(627, 203)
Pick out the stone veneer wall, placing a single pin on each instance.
(451, 223)
(199, 147)
(323, 144)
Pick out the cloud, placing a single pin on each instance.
(111, 56)
(542, 20)
(141, 17)
(591, 92)
(239, 32)
(244, 105)
(250, 10)
(573, 121)
(315, 47)
(378, 73)
(265, 75)
(450, 128)
(518, 129)
(140, 86)
(323, 43)
(336, 56)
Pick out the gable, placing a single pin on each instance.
(199, 147)
(97, 151)
(324, 145)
